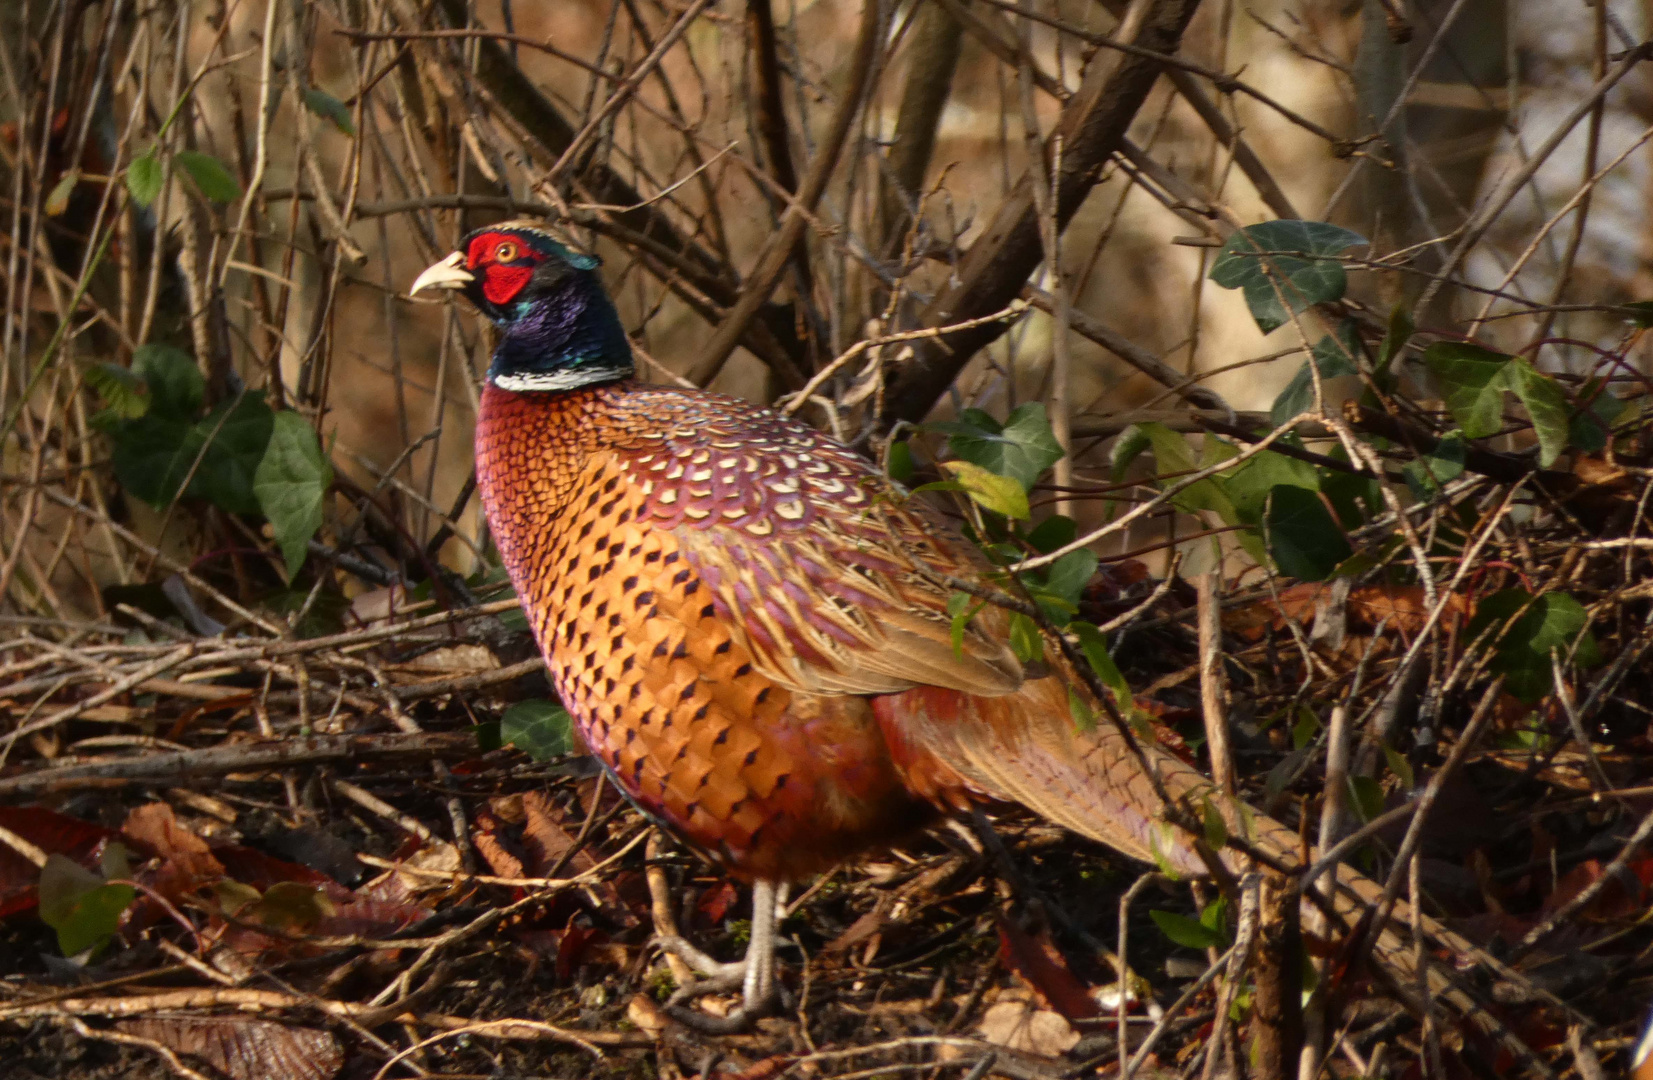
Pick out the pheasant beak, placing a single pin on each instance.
(447, 274)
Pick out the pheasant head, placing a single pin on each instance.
(558, 328)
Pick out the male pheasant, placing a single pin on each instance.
(749, 623)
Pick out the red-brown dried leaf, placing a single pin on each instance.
(246, 1049)
(545, 841)
(492, 844)
(715, 902)
(186, 860)
(1037, 962)
(1620, 898)
(253, 867)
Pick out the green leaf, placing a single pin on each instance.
(1056, 531)
(153, 455)
(1025, 639)
(328, 107)
(1173, 455)
(962, 607)
(1070, 574)
(1214, 916)
(1591, 427)
(542, 729)
(291, 486)
(1535, 627)
(1185, 931)
(1400, 767)
(1332, 356)
(1473, 381)
(1000, 494)
(1248, 485)
(125, 394)
(1548, 407)
(1095, 648)
(1303, 538)
(209, 175)
(1216, 829)
(1365, 797)
(143, 178)
(176, 385)
(1428, 472)
(1400, 332)
(1022, 449)
(1083, 718)
(227, 471)
(1126, 449)
(57, 200)
(83, 908)
(899, 462)
(1307, 727)
(1284, 267)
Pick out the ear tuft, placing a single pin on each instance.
(580, 261)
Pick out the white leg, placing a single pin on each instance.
(760, 952)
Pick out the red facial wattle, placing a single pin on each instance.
(501, 283)
(499, 260)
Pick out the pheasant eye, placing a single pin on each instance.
(506, 252)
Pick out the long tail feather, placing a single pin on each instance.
(1025, 748)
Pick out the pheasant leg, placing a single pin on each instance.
(754, 974)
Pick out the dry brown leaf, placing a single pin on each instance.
(189, 860)
(1016, 1023)
(246, 1049)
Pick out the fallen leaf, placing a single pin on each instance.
(1016, 1023)
(246, 1049)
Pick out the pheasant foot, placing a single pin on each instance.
(754, 975)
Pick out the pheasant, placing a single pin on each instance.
(748, 622)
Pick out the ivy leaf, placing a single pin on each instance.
(176, 386)
(1547, 405)
(1185, 931)
(125, 394)
(291, 485)
(1022, 449)
(1249, 484)
(1590, 428)
(82, 907)
(1303, 538)
(143, 178)
(239, 431)
(1400, 332)
(1332, 356)
(1473, 381)
(1173, 455)
(1056, 531)
(328, 107)
(209, 174)
(1536, 627)
(1428, 472)
(1000, 494)
(1284, 266)
(542, 729)
(153, 455)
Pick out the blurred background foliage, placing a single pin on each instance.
(232, 196)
